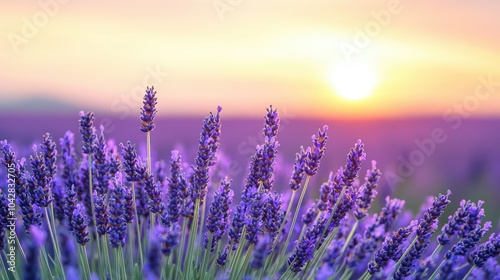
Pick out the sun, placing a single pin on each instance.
(353, 81)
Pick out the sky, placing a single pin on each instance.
(310, 58)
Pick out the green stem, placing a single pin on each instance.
(349, 237)
(181, 245)
(190, 265)
(396, 267)
(84, 264)
(55, 243)
(45, 261)
(469, 272)
(292, 225)
(243, 267)
(435, 273)
(207, 252)
(105, 253)
(138, 232)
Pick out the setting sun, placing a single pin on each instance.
(353, 81)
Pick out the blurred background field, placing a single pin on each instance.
(467, 163)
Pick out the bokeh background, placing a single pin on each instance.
(418, 82)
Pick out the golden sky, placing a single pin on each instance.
(424, 58)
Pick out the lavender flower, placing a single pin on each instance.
(461, 249)
(390, 248)
(273, 215)
(79, 223)
(305, 247)
(148, 110)
(221, 259)
(208, 143)
(272, 123)
(324, 193)
(69, 176)
(154, 194)
(101, 213)
(70, 206)
(425, 229)
(476, 214)
(368, 192)
(218, 214)
(41, 179)
(5, 218)
(58, 193)
(87, 131)
(254, 219)
(177, 191)
(117, 229)
(101, 165)
(310, 214)
(260, 252)
(455, 222)
(17, 166)
(354, 159)
(33, 251)
(490, 249)
(129, 155)
(299, 168)
(317, 152)
(237, 224)
(266, 155)
(49, 153)
(169, 240)
(159, 171)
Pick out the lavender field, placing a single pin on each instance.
(155, 198)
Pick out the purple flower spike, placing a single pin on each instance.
(79, 223)
(49, 153)
(69, 175)
(299, 168)
(177, 191)
(305, 247)
(207, 147)
(368, 192)
(129, 155)
(6, 218)
(476, 214)
(425, 229)
(490, 249)
(273, 215)
(310, 214)
(221, 260)
(354, 159)
(218, 214)
(237, 224)
(455, 222)
(390, 248)
(42, 196)
(169, 240)
(272, 122)
(260, 252)
(70, 205)
(148, 110)
(117, 229)
(87, 131)
(154, 194)
(101, 165)
(317, 151)
(101, 213)
(254, 219)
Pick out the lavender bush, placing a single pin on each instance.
(96, 215)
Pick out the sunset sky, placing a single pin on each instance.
(308, 57)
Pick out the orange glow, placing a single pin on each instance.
(100, 56)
